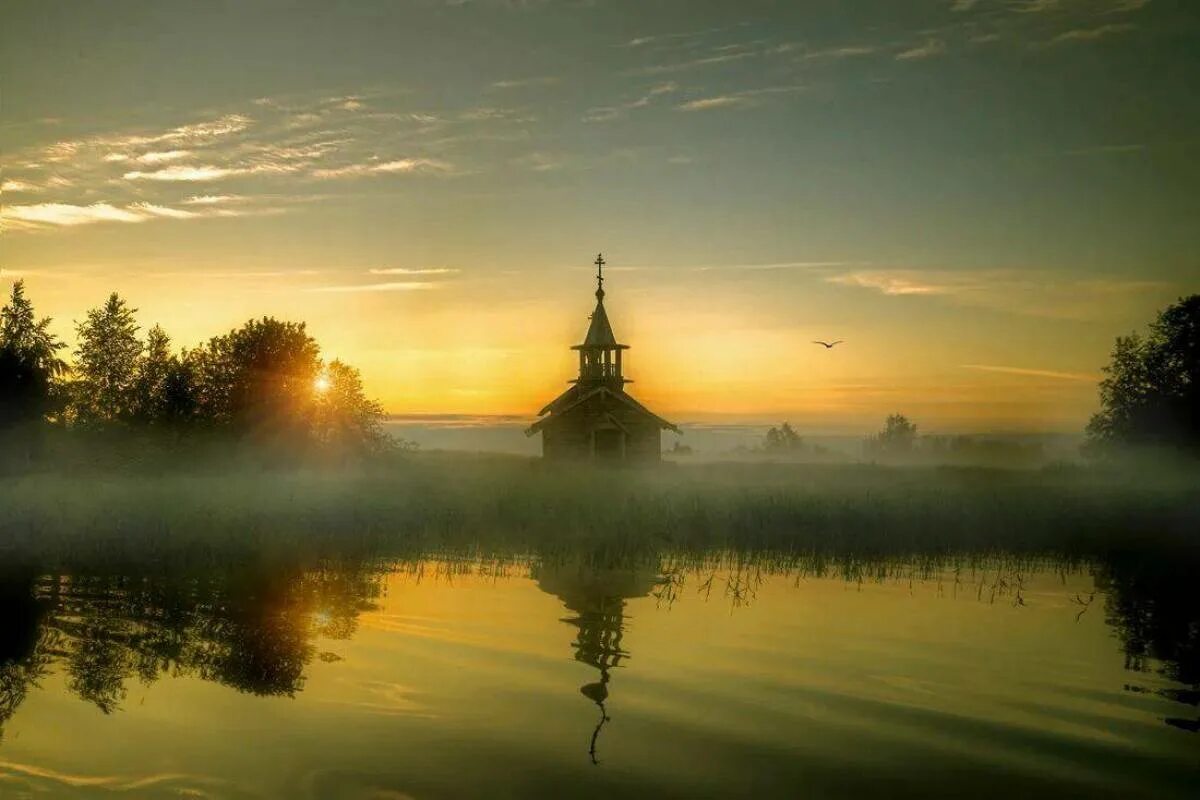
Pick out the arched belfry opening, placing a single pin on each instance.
(596, 419)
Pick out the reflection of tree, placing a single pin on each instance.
(597, 598)
(251, 630)
(1154, 608)
(22, 653)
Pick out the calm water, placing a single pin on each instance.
(451, 679)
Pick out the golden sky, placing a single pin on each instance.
(977, 196)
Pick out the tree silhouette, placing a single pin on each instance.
(344, 416)
(29, 369)
(264, 382)
(898, 437)
(783, 439)
(106, 363)
(1151, 395)
(150, 376)
(259, 380)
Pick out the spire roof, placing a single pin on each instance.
(600, 332)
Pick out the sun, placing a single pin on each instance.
(322, 384)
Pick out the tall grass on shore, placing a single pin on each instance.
(443, 503)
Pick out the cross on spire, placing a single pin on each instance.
(599, 262)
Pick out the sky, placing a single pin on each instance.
(978, 196)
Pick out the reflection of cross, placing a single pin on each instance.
(599, 262)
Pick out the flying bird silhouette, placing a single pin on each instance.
(828, 345)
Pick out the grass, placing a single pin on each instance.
(429, 503)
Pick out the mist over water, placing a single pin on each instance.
(441, 624)
(707, 441)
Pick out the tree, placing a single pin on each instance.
(259, 380)
(1151, 392)
(29, 370)
(151, 373)
(344, 416)
(106, 363)
(897, 437)
(783, 440)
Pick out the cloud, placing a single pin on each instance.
(41, 216)
(540, 162)
(211, 172)
(406, 271)
(64, 214)
(642, 41)
(1035, 373)
(743, 98)
(398, 166)
(183, 173)
(693, 63)
(1091, 34)
(653, 92)
(391, 286)
(780, 265)
(1038, 293)
(850, 51)
(168, 155)
(229, 275)
(708, 103)
(930, 49)
(1123, 6)
(602, 114)
(18, 186)
(609, 113)
(211, 199)
(893, 283)
(1036, 6)
(162, 211)
(546, 80)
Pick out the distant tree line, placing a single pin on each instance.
(264, 383)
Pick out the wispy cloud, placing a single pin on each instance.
(659, 38)
(43, 216)
(609, 113)
(743, 98)
(212, 199)
(895, 283)
(1092, 34)
(1040, 293)
(67, 215)
(391, 286)
(849, 51)
(1035, 373)
(520, 83)
(398, 166)
(236, 274)
(407, 271)
(1036, 6)
(539, 161)
(694, 63)
(929, 49)
(203, 172)
(18, 186)
(64, 214)
(709, 103)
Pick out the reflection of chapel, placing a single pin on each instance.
(596, 599)
(596, 418)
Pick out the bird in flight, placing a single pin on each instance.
(828, 345)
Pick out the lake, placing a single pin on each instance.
(700, 677)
